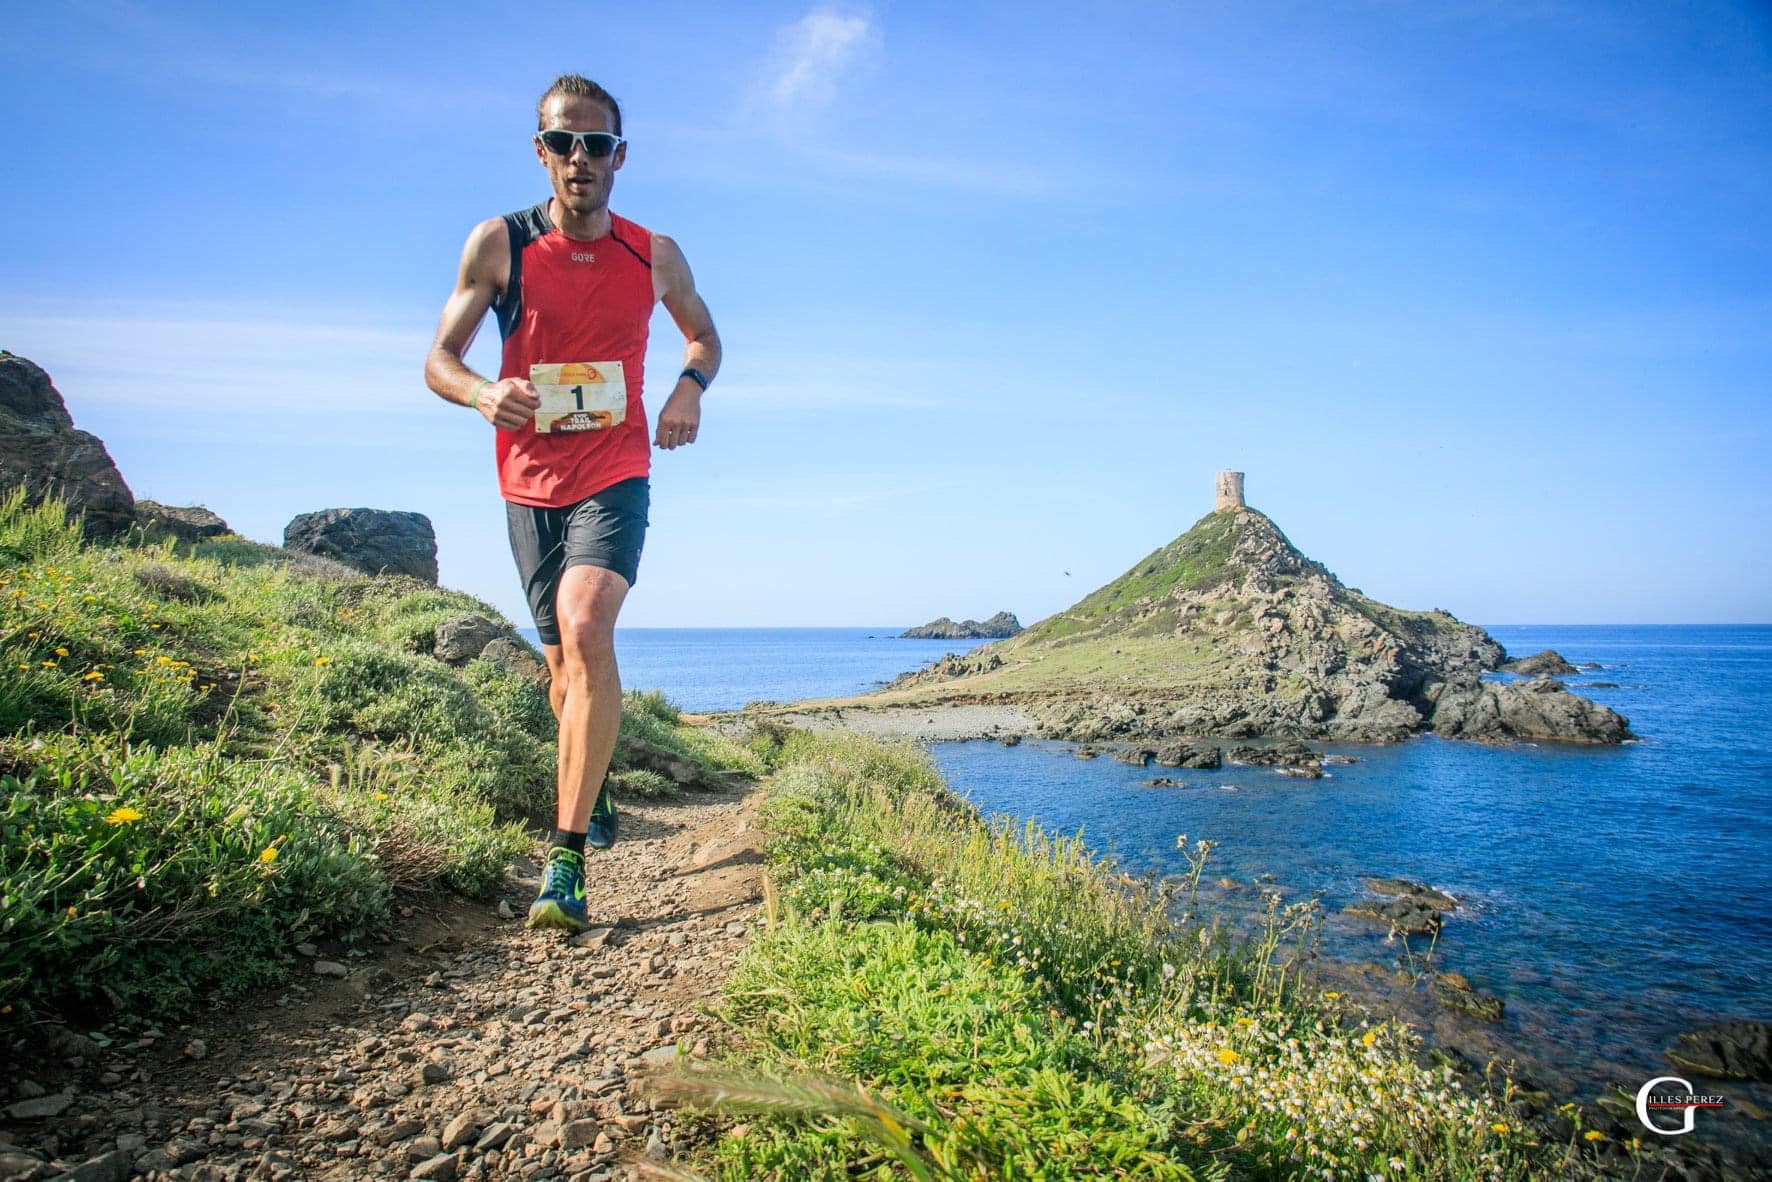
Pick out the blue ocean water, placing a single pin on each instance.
(1612, 897)
(723, 668)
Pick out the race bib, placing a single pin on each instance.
(579, 396)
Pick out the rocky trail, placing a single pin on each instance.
(468, 1048)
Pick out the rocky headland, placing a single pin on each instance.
(999, 627)
(1230, 631)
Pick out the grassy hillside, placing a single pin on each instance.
(1229, 607)
(210, 753)
(935, 997)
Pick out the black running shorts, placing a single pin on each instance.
(606, 529)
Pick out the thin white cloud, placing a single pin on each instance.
(219, 363)
(798, 91)
(813, 55)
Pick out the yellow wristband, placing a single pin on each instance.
(474, 400)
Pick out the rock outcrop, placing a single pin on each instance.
(1727, 1050)
(998, 627)
(187, 523)
(1536, 710)
(41, 450)
(375, 541)
(1548, 663)
(1229, 631)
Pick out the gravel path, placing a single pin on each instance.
(468, 1049)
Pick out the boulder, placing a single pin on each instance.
(41, 450)
(514, 656)
(1191, 755)
(1541, 709)
(1548, 662)
(678, 769)
(1134, 756)
(375, 541)
(1726, 1050)
(187, 523)
(462, 638)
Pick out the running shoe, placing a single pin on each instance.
(601, 833)
(561, 903)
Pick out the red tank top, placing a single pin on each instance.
(570, 300)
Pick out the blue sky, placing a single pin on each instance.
(1478, 295)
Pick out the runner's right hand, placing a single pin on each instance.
(509, 403)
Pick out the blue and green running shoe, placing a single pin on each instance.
(561, 903)
(601, 833)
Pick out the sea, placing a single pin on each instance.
(1611, 897)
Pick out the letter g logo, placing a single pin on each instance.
(1643, 1106)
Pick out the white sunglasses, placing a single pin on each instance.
(597, 144)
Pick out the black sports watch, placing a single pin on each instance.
(696, 376)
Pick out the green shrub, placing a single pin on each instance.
(640, 784)
(654, 703)
(153, 875)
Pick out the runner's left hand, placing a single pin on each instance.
(681, 416)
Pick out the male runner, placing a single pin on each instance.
(573, 286)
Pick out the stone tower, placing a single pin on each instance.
(1230, 492)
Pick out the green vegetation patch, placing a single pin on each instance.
(937, 996)
(1194, 560)
(211, 752)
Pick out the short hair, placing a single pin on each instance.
(577, 86)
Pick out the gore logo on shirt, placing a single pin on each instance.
(583, 256)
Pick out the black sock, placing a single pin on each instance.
(569, 841)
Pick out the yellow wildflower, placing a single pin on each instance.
(322, 660)
(1593, 1135)
(60, 651)
(1245, 1020)
(268, 855)
(95, 675)
(1368, 1038)
(72, 913)
(1227, 1056)
(123, 816)
(1498, 1127)
(381, 795)
(1331, 996)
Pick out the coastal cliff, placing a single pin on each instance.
(1229, 630)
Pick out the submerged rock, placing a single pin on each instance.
(1727, 1050)
(1414, 908)
(1454, 991)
